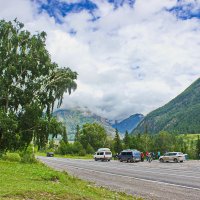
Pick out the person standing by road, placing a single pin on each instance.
(158, 154)
(150, 157)
(153, 156)
(142, 156)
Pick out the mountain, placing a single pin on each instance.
(128, 124)
(73, 117)
(180, 115)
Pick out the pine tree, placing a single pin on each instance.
(126, 140)
(117, 142)
(77, 135)
(65, 139)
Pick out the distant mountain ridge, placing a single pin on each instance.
(77, 116)
(73, 117)
(180, 115)
(128, 124)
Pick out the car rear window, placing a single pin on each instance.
(108, 153)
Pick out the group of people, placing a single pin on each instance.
(149, 156)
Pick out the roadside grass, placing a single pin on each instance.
(88, 156)
(39, 182)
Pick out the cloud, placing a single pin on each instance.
(130, 59)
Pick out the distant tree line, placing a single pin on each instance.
(93, 136)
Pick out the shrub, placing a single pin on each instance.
(12, 157)
(82, 152)
(89, 149)
(77, 148)
(28, 156)
(63, 148)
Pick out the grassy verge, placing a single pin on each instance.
(88, 156)
(38, 182)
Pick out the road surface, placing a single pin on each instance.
(166, 181)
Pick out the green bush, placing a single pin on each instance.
(90, 149)
(28, 155)
(28, 158)
(63, 148)
(12, 157)
(82, 152)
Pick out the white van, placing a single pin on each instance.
(103, 154)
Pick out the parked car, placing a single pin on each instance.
(130, 155)
(103, 154)
(172, 157)
(50, 154)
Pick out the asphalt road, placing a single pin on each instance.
(174, 181)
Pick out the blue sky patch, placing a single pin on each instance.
(185, 10)
(119, 3)
(59, 9)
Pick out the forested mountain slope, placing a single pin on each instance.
(180, 115)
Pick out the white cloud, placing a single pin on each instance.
(129, 60)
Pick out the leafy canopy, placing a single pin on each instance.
(30, 85)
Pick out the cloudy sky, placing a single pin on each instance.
(132, 56)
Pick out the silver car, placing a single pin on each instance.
(172, 157)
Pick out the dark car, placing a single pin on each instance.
(130, 155)
(50, 154)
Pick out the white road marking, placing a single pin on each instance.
(130, 177)
(136, 170)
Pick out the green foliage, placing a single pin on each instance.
(181, 115)
(94, 134)
(51, 144)
(89, 149)
(165, 142)
(77, 148)
(77, 134)
(198, 147)
(9, 136)
(117, 146)
(82, 152)
(30, 83)
(28, 155)
(126, 140)
(63, 148)
(12, 157)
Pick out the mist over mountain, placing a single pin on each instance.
(180, 115)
